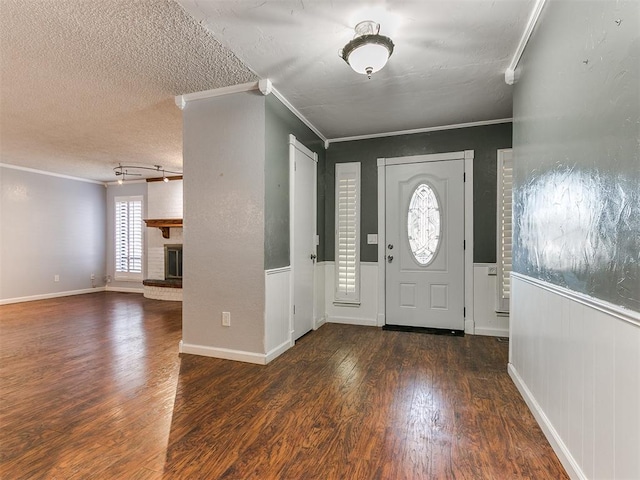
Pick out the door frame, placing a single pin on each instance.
(294, 145)
(467, 156)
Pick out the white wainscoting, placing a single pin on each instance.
(487, 321)
(277, 322)
(364, 314)
(319, 296)
(576, 361)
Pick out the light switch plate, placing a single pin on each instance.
(372, 238)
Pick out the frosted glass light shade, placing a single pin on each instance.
(368, 52)
(368, 58)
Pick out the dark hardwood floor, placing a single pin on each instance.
(92, 386)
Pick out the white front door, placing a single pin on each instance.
(425, 244)
(303, 229)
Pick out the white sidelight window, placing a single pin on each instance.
(128, 253)
(505, 224)
(347, 254)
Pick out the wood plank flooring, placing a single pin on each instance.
(92, 386)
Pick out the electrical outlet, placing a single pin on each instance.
(492, 270)
(226, 319)
(56, 278)
(93, 276)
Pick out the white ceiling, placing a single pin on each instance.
(447, 66)
(87, 84)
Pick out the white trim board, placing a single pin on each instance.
(510, 76)
(265, 88)
(182, 100)
(51, 174)
(420, 130)
(45, 296)
(295, 144)
(226, 353)
(301, 117)
(274, 271)
(467, 156)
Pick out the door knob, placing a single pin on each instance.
(389, 258)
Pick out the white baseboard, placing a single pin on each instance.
(225, 353)
(319, 321)
(561, 450)
(125, 289)
(45, 296)
(369, 322)
(279, 350)
(492, 332)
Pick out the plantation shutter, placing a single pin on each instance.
(128, 254)
(347, 244)
(505, 228)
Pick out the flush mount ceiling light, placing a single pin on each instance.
(124, 171)
(368, 52)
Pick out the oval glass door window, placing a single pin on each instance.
(423, 224)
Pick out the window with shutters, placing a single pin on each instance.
(347, 254)
(504, 234)
(128, 254)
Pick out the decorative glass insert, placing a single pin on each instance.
(423, 224)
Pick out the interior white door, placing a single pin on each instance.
(425, 244)
(303, 207)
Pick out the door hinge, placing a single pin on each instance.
(294, 309)
(464, 244)
(464, 312)
(464, 176)
(295, 166)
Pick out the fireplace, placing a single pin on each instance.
(172, 262)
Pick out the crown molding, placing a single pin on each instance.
(421, 130)
(182, 100)
(51, 174)
(301, 117)
(510, 75)
(264, 86)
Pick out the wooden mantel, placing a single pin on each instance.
(164, 224)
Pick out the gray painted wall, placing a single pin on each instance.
(224, 226)
(50, 226)
(577, 159)
(485, 140)
(124, 190)
(280, 122)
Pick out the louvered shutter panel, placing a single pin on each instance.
(128, 219)
(505, 231)
(347, 254)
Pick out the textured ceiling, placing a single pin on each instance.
(87, 84)
(447, 66)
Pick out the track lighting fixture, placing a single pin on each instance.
(124, 171)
